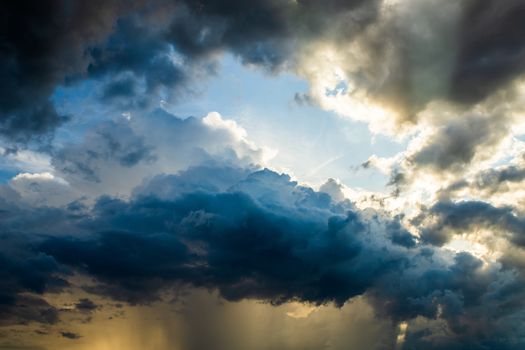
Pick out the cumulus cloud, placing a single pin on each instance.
(454, 146)
(42, 189)
(116, 156)
(259, 235)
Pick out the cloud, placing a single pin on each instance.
(116, 156)
(248, 242)
(452, 145)
(412, 54)
(209, 238)
(70, 335)
(158, 47)
(151, 203)
(151, 51)
(462, 216)
(42, 189)
(86, 305)
(107, 143)
(456, 144)
(27, 274)
(259, 235)
(491, 48)
(499, 185)
(38, 54)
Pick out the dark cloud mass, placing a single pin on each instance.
(492, 47)
(43, 43)
(162, 204)
(264, 237)
(54, 42)
(23, 271)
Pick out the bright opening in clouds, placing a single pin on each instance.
(266, 174)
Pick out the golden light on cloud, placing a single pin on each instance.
(300, 310)
(326, 68)
(400, 340)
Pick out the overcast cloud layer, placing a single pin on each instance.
(136, 210)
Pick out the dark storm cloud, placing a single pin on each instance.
(41, 43)
(491, 48)
(267, 238)
(123, 87)
(459, 50)
(223, 241)
(138, 47)
(54, 42)
(26, 270)
(261, 236)
(51, 43)
(261, 32)
(463, 294)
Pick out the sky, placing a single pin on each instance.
(266, 174)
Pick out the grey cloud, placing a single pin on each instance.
(108, 142)
(27, 309)
(56, 43)
(42, 43)
(267, 238)
(262, 32)
(103, 41)
(25, 275)
(259, 235)
(452, 149)
(70, 335)
(492, 48)
(117, 156)
(489, 181)
(86, 305)
(121, 87)
(460, 216)
(455, 145)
